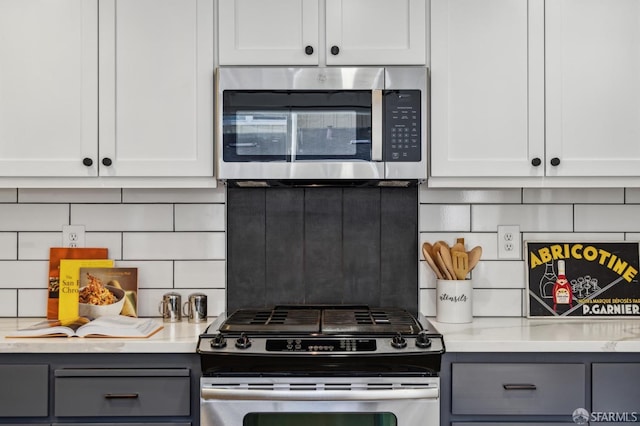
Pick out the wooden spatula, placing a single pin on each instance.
(426, 252)
(460, 261)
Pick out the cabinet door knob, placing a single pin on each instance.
(335, 50)
(308, 50)
(555, 161)
(87, 162)
(107, 161)
(536, 162)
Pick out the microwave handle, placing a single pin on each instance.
(318, 395)
(376, 125)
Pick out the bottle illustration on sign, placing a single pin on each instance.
(547, 281)
(562, 294)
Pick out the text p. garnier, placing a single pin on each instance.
(581, 252)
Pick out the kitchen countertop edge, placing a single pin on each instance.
(502, 334)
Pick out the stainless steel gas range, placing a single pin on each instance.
(327, 365)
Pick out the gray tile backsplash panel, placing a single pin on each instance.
(322, 245)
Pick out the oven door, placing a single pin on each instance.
(320, 401)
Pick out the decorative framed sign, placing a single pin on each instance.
(582, 279)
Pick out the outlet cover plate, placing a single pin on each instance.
(509, 244)
(73, 236)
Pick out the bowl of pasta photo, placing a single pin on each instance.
(99, 300)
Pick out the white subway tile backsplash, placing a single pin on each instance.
(9, 303)
(444, 218)
(151, 274)
(486, 302)
(123, 217)
(33, 217)
(632, 195)
(8, 245)
(488, 241)
(499, 274)
(111, 240)
(572, 236)
(469, 196)
(173, 195)
(173, 245)
(93, 195)
(199, 217)
(32, 302)
(530, 217)
(8, 195)
(574, 196)
(200, 274)
(607, 218)
(428, 302)
(24, 274)
(35, 245)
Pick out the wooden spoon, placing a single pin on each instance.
(474, 256)
(442, 265)
(426, 252)
(445, 252)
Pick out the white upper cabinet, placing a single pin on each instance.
(48, 87)
(593, 87)
(156, 88)
(487, 88)
(376, 32)
(274, 32)
(301, 32)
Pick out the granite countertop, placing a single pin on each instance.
(481, 335)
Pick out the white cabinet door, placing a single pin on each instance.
(593, 87)
(273, 32)
(487, 87)
(48, 87)
(156, 87)
(376, 32)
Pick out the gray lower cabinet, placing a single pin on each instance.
(121, 392)
(517, 388)
(615, 388)
(24, 390)
(99, 389)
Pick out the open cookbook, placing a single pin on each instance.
(108, 326)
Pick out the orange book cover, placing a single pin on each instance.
(55, 255)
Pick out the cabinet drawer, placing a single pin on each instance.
(550, 389)
(616, 387)
(24, 390)
(122, 392)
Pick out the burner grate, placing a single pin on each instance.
(273, 321)
(375, 321)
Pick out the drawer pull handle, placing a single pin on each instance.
(121, 395)
(519, 387)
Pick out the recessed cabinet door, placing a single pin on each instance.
(48, 87)
(274, 32)
(376, 32)
(593, 87)
(156, 87)
(487, 88)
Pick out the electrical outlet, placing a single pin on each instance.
(73, 236)
(509, 242)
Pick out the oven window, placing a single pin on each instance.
(296, 125)
(320, 419)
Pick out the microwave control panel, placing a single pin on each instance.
(402, 118)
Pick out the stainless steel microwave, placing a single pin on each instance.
(321, 123)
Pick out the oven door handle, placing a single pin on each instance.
(319, 395)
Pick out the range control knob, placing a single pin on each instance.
(218, 341)
(243, 342)
(398, 341)
(422, 340)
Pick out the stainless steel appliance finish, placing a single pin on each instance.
(321, 123)
(321, 365)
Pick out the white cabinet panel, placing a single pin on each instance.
(156, 87)
(274, 32)
(487, 87)
(374, 32)
(48, 87)
(593, 87)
